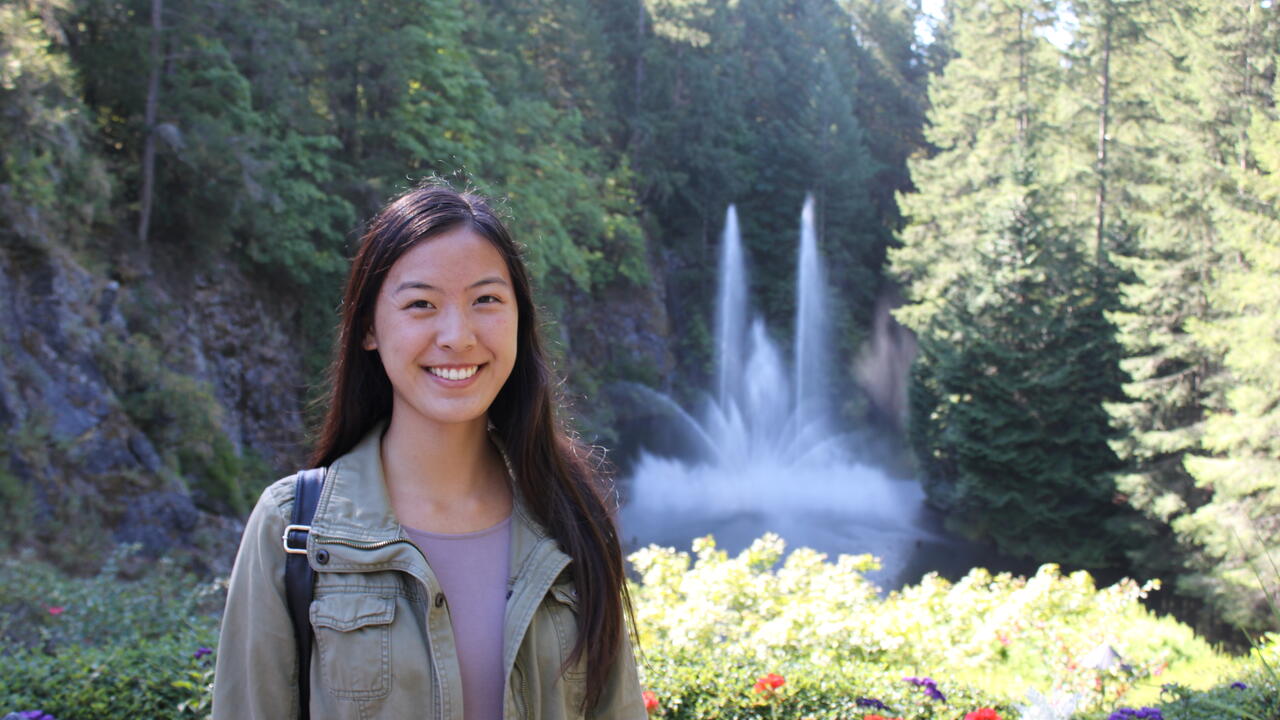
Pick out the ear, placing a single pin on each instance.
(370, 341)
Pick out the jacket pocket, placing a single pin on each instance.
(353, 642)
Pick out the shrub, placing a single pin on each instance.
(180, 415)
(106, 683)
(103, 646)
(828, 630)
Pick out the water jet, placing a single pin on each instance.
(769, 455)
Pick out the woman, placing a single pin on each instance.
(467, 564)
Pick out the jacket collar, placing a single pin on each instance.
(355, 512)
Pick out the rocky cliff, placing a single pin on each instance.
(144, 406)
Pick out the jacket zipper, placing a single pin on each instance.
(357, 544)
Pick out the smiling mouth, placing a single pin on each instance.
(462, 372)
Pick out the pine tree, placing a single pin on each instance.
(1205, 78)
(892, 90)
(1237, 532)
(1016, 356)
(754, 104)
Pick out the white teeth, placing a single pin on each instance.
(454, 373)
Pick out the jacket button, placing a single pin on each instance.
(322, 557)
(440, 599)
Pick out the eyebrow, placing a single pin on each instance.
(416, 285)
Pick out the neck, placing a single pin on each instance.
(435, 470)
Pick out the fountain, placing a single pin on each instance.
(769, 457)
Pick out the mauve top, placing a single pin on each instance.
(472, 569)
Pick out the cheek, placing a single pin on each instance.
(501, 335)
(394, 338)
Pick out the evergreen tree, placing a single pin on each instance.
(755, 104)
(1237, 532)
(891, 92)
(1101, 111)
(1012, 359)
(1206, 75)
(561, 171)
(1016, 355)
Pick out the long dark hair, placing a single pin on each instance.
(552, 470)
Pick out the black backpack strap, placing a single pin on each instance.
(299, 578)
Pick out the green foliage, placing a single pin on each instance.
(756, 104)
(273, 139)
(1238, 531)
(1192, 325)
(105, 683)
(51, 184)
(1256, 701)
(17, 499)
(1017, 361)
(180, 415)
(103, 647)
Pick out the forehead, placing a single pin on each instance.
(453, 259)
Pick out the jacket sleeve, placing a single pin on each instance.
(621, 699)
(256, 673)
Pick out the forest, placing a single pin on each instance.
(1073, 201)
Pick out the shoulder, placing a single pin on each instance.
(277, 498)
(273, 509)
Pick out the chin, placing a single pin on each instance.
(455, 416)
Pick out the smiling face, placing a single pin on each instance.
(444, 326)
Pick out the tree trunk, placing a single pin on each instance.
(1104, 108)
(1024, 112)
(149, 125)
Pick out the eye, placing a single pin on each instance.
(488, 299)
(419, 305)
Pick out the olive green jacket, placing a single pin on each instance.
(384, 645)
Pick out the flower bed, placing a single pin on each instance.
(754, 636)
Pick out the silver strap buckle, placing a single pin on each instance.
(284, 539)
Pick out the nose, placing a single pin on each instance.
(455, 331)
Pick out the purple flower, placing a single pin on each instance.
(35, 715)
(201, 652)
(872, 703)
(1239, 685)
(1146, 713)
(930, 687)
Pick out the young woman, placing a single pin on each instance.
(467, 564)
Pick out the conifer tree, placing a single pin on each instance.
(892, 78)
(1015, 359)
(1206, 76)
(1237, 531)
(755, 104)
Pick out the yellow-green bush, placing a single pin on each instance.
(711, 624)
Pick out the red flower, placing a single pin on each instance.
(982, 714)
(650, 701)
(769, 683)
(56, 610)
(878, 717)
